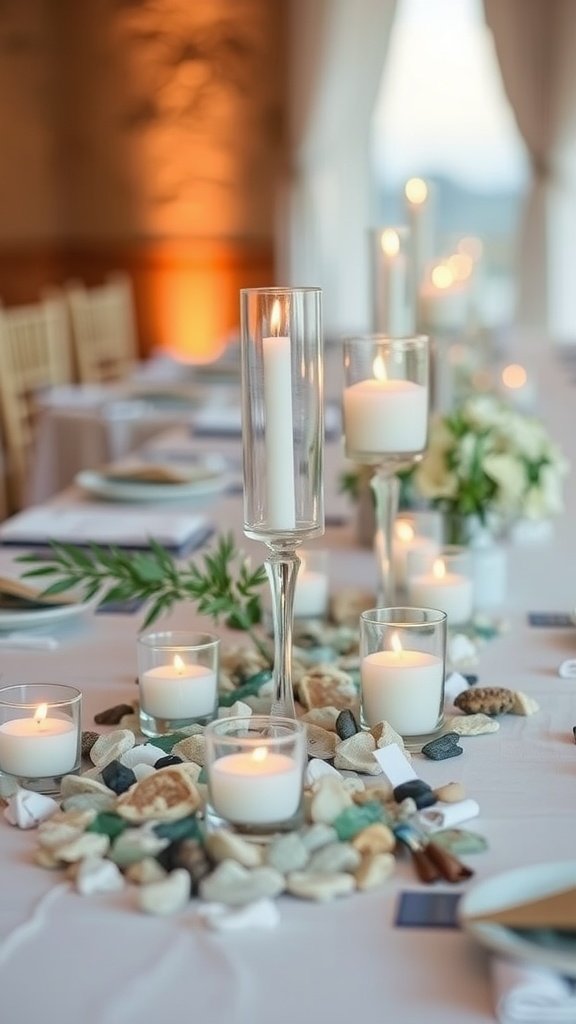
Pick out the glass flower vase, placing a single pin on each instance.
(283, 447)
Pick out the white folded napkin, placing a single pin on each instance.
(81, 524)
(524, 994)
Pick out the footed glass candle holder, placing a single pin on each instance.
(283, 445)
(178, 680)
(402, 669)
(40, 734)
(255, 769)
(386, 403)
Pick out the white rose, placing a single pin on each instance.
(509, 475)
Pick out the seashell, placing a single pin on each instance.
(235, 885)
(488, 700)
(376, 838)
(27, 809)
(167, 896)
(237, 710)
(326, 685)
(320, 742)
(329, 800)
(451, 793)
(323, 717)
(224, 845)
(193, 748)
(356, 753)
(164, 796)
(95, 875)
(88, 844)
(523, 704)
(471, 725)
(311, 885)
(73, 784)
(111, 746)
(374, 870)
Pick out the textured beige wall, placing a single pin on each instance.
(125, 119)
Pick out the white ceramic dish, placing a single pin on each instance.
(514, 887)
(30, 618)
(135, 490)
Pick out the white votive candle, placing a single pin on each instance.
(38, 747)
(311, 594)
(410, 549)
(451, 592)
(403, 688)
(385, 415)
(258, 787)
(179, 690)
(278, 428)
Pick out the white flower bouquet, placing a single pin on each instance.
(489, 462)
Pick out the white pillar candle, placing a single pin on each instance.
(393, 305)
(384, 415)
(258, 787)
(311, 595)
(403, 688)
(420, 212)
(278, 430)
(179, 690)
(38, 747)
(409, 548)
(450, 592)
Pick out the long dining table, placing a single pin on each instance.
(66, 958)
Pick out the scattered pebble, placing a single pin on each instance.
(113, 716)
(117, 777)
(346, 724)
(94, 875)
(489, 700)
(442, 747)
(167, 896)
(110, 746)
(523, 704)
(27, 809)
(374, 870)
(451, 793)
(471, 725)
(310, 885)
(235, 885)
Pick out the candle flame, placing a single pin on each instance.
(404, 531)
(379, 368)
(178, 664)
(275, 318)
(390, 242)
(416, 191)
(442, 276)
(260, 754)
(439, 569)
(396, 644)
(40, 713)
(461, 264)
(514, 376)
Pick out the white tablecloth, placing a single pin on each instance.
(99, 961)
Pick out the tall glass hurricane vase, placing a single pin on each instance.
(283, 444)
(385, 402)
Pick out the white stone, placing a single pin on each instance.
(374, 870)
(224, 845)
(143, 771)
(356, 753)
(167, 896)
(311, 886)
(523, 704)
(329, 800)
(27, 809)
(235, 885)
(97, 875)
(88, 844)
(144, 753)
(316, 768)
(73, 784)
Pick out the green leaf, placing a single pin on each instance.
(60, 586)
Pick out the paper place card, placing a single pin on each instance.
(443, 815)
(395, 765)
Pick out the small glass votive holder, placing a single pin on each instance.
(178, 680)
(255, 768)
(446, 582)
(40, 734)
(402, 670)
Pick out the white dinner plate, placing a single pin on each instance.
(30, 618)
(136, 490)
(518, 886)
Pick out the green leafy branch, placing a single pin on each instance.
(223, 586)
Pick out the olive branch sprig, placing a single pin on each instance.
(223, 585)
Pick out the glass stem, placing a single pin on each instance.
(386, 488)
(282, 569)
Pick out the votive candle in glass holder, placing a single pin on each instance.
(40, 734)
(445, 583)
(255, 768)
(178, 678)
(402, 669)
(312, 585)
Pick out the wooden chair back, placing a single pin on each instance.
(103, 330)
(34, 355)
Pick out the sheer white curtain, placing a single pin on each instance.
(337, 53)
(536, 45)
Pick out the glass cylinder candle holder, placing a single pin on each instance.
(393, 290)
(40, 734)
(444, 581)
(255, 768)
(178, 680)
(402, 670)
(283, 446)
(385, 406)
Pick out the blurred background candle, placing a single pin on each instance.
(402, 687)
(383, 415)
(452, 592)
(410, 549)
(393, 300)
(443, 301)
(420, 212)
(312, 588)
(278, 428)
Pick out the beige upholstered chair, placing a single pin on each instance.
(103, 329)
(34, 355)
